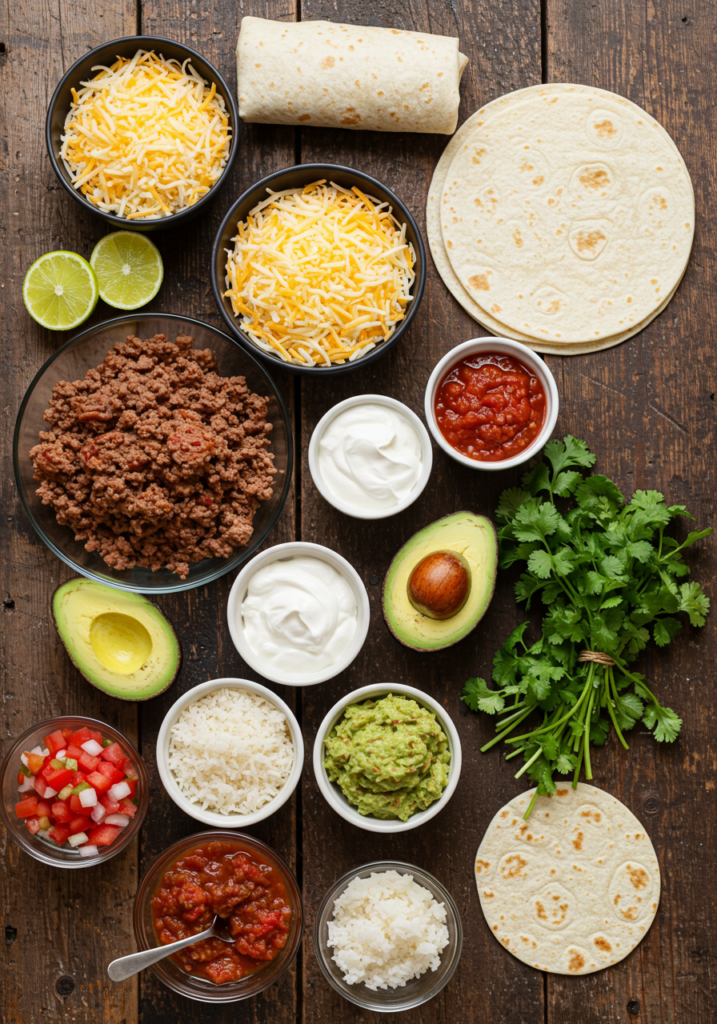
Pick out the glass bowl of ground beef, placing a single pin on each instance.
(153, 453)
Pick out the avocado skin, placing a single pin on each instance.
(94, 674)
(399, 620)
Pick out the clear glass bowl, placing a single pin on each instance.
(418, 990)
(71, 362)
(46, 850)
(197, 988)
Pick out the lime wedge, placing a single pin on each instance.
(60, 290)
(129, 269)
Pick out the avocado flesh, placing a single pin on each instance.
(466, 534)
(120, 642)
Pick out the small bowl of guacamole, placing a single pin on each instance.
(387, 757)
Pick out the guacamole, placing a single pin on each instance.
(389, 756)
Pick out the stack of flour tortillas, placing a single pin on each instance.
(575, 887)
(561, 216)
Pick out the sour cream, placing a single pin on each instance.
(370, 457)
(299, 615)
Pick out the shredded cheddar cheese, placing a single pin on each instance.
(146, 137)
(320, 275)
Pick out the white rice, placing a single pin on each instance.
(386, 930)
(230, 752)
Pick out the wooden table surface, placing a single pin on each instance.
(646, 407)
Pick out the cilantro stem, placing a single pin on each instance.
(527, 764)
(531, 805)
(499, 737)
(610, 681)
(588, 716)
(550, 725)
(578, 766)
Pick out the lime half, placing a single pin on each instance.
(129, 269)
(60, 290)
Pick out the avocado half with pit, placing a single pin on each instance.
(441, 582)
(120, 642)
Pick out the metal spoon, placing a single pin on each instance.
(126, 966)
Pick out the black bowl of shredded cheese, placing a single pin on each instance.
(318, 268)
(141, 132)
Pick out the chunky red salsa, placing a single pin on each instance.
(225, 879)
(490, 407)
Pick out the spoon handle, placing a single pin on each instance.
(126, 966)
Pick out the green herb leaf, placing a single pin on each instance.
(479, 697)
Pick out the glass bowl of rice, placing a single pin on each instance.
(404, 979)
(230, 753)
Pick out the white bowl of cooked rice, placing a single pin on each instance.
(230, 753)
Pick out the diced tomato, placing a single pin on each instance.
(55, 741)
(80, 824)
(100, 782)
(75, 805)
(94, 735)
(130, 772)
(60, 777)
(79, 777)
(33, 823)
(81, 736)
(87, 762)
(125, 807)
(27, 807)
(60, 834)
(74, 751)
(110, 772)
(67, 733)
(41, 784)
(35, 763)
(111, 806)
(132, 783)
(44, 808)
(114, 754)
(103, 835)
(21, 778)
(61, 811)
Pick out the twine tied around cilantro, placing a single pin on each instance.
(598, 657)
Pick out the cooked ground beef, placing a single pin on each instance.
(154, 459)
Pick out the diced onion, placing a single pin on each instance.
(92, 747)
(88, 797)
(98, 813)
(122, 820)
(119, 791)
(88, 850)
(49, 793)
(78, 839)
(60, 754)
(27, 784)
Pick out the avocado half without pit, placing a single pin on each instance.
(441, 582)
(120, 642)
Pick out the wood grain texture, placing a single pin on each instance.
(503, 44)
(648, 409)
(58, 940)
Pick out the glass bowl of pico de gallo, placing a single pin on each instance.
(75, 792)
(247, 885)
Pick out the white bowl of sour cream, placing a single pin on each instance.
(298, 614)
(370, 456)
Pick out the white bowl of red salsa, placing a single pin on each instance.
(491, 403)
(243, 881)
(75, 792)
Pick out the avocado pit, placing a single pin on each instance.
(439, 584)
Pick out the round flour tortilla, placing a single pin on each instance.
(574, 888)
(457, 148)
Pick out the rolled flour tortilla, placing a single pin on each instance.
(575, 887)
(318, 73)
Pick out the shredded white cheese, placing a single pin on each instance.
(386, 930)
(146, 137)
(320, 275)
(231, 752)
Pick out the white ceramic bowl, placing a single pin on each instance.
(508, 348)
(210, 817)
(295, 549)
(333, 793)
(402, 410)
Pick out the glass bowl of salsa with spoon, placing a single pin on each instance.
(491, 403)
(253, 892)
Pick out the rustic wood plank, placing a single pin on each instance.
(651, 420)
(200, 616)
(57, 936)
(503, 44)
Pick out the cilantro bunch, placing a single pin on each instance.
(610, 578)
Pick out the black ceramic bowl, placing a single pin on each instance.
(298, 177)
(106, 55)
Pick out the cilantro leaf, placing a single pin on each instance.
(664, 630)
(536, 520)
(693, 601)
(477, 695)
(667, 724)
